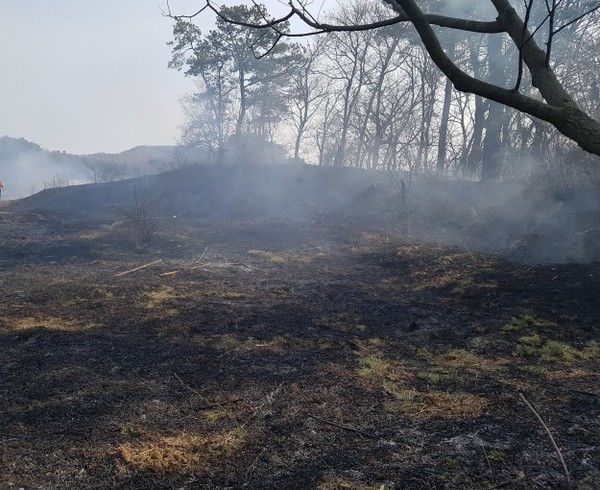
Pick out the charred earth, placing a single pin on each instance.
(299, 327)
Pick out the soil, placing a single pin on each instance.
(261, 348)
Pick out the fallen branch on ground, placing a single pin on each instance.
(166, 274)
(208, 405)
(344, 427)
(200, 258)
(138, 268)
(506, 483)
(268, 399)
(556, 448)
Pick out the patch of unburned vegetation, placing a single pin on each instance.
(332, 482)
(398, 382)
(286, 257)
(231, 343)
(461, 359)
(457, 273)
(375, 238)
(455, 281)
(373, 366)
(156, 298)
(374, 369)
(522, 322)
(184, 453)
(434, 404)
(410, 251)
(555, 351)
(343, 322)
(46, 322)
(438, 377)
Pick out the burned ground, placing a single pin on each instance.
(266, 348)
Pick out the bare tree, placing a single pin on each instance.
(306, 91)
(555, 104)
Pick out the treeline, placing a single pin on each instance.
(374, 99)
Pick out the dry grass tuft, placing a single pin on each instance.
(554, 351)
(158, 297)
(375, 238)
(286, 257)
(375, 371)
(184, 453)
(461, 359)
(456, 281)
(47, 322)
(374, 367)
(457, 273)
(395, 380)
(343, 322)
(410, 251)
(231, 343)
(339, 483)
(435, 404)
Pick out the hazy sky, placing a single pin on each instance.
(86, 76)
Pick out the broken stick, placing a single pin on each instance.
(138, 268)
(556, 448)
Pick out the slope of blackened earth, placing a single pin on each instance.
(268, 355)
(525, 222)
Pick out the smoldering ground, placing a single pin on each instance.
(517, 220)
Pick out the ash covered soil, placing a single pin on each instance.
(297, 328)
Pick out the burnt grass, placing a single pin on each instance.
(268, 354)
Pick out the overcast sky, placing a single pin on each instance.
(87, 76)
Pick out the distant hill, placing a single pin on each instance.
(26, 167)
(142, 160)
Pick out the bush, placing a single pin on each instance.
(141, 218)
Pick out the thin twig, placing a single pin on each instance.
(487, 459)
(185, 385)
(200, 258)
(219, 404)
(255, 461)
(556, 448)
(344, 427)
(209, 404)
(508, 482)
(268, 399)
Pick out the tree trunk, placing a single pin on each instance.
(492, 153)
(242, 114)
(443, 140)
(491, 162)
(475, 152)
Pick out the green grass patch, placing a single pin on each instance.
(531, 340)
(496, 457)
(373, 367)
(436, 378)
(519, 323)
(534, 370)
(555, 351)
